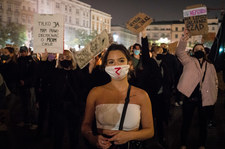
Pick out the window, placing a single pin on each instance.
(182, 28)
(83, 13)
(176, 29)
(57, 5)
(97, 18)
(83, 22)
(70, 10)
(66, 18)
(24, 8)
(0, 5)
(77, 21)
(9, 19)
(23, 18)
(77, 11)
(93, 17)
(65, 7)
(0, 18)
(9, 7)
(70, 20)
(86, 23)
(176, 36)
(155, 35)
(28, 8)
(213, 28)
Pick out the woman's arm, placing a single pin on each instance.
(86, 127)
(180, 51)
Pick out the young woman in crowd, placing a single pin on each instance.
(199, 84)
(106, 103)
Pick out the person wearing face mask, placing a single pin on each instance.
(8, 69)
(106, 104)
(136, 67)
(66, 93)
(161, 97)
(199, 84)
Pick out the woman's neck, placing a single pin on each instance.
(120, 85)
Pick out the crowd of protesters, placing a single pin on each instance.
(50, 88)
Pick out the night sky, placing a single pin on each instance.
(122, 10)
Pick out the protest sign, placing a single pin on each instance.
(92, 49)
(48, 33)
(138, 22)
(210, 37)
(195, 19)
(172, 47)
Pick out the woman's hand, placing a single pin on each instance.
(44, 56)
(103, 142)
(119, 137)
(186, 35)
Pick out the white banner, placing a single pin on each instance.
(195, 12)
(92, 49)
(48, 33)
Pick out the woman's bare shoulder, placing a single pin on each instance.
(140, 93)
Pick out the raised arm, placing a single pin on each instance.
(145, 47)
(180, 51)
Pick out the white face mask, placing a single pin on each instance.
(117, 72)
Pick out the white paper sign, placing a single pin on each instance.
(195, 12)
(48, 33)
(92, 49)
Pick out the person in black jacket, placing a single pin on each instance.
(157, 81)
(27, 77)
(67, 96)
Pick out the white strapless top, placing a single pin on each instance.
(108, 116)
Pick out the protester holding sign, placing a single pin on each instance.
(115, 127)
(199, 84)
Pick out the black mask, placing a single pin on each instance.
(5, 57)
(199, 54)
(159, 56)
(66, 63)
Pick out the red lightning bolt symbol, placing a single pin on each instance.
(117, 69)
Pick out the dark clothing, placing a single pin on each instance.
(67, 88)
(27, 71)
(189, 107)
(27, 74)
(10, 73)
(157, 81)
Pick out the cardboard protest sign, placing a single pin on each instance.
(138, 22)
(172, 47)
(210, 37)
(92, 49)
(195, 19)
(48, 33)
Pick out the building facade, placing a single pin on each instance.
(77, 15)
(172, 31)
(123, 36)
(100, 21)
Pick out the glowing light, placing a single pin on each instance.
(115, 37)
(163, 40)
